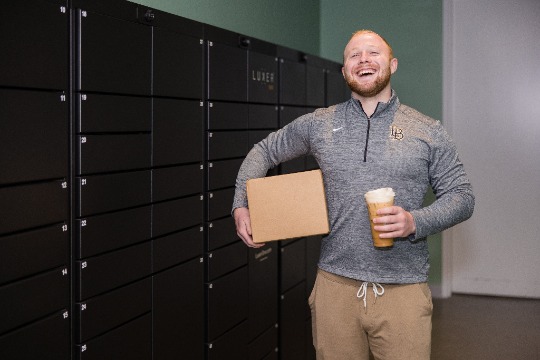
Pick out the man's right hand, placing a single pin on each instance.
(243, 226)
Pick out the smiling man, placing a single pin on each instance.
(364, 298)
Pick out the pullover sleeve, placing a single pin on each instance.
(454, 196)
(287, 143)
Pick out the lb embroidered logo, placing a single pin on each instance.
(396, 133)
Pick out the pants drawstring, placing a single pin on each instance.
(362, 292)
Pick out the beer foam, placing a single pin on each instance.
(380, 195)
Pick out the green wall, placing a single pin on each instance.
(291, 23)
(323, 27)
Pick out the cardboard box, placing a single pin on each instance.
(287, 206)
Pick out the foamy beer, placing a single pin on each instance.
(375, 200)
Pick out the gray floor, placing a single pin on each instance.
(481, 327)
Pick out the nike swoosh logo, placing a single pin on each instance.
(334, 130)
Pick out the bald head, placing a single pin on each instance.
(367, 31)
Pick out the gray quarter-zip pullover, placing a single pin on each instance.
(396, 147)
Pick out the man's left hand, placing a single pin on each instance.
(394, 222)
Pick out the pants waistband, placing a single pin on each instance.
(341, 279)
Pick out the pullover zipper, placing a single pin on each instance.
(368, 127)
(367, 139)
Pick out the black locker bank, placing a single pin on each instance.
(122, 129)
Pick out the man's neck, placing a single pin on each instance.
(369, 104)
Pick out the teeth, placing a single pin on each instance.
(366, 72)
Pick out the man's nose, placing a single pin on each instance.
(364, 57)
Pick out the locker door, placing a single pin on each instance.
(175, 248)
(222, 173)
(293, 324)
(313, 251)
(103, 313)
(336, 90)
(178, 64)
(227, 144)
(113, 113)
(28, 253)
(106, 153)
(219, 203)
(263, 289)
(28, 300)
(293, 263)
(227, 302)
(35, 38)
(178, 181)
(28, 206)
(179, 312)
(231, 346)
(227, 116)
(114, 55)
(315, 79)
(177, 132)
(226, 259)
(263, 116)
(263, 78)
(130, 341)
(292, 77)
(311, 163)
(33, 135)
(102, 193)
(227, 72)
(221, 232)
(47, 339)
(171, 216)
(102, 233)
(265, 345)
(289, 113)
(102, 273)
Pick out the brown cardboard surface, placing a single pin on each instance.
(287, 206)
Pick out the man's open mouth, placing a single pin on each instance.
(365, 72)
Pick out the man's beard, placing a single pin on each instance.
(371, 89)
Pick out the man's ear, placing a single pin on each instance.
(393, 65)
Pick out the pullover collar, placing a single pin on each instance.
(381, 111)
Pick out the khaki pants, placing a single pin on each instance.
(394, 326)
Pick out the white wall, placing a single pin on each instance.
(492, 107)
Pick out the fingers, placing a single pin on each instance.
(243, 227)
(394, 222)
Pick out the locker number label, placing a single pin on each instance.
(84, 264)
(83, 140)
(64, 228)
(65, 315)
(64, 272)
